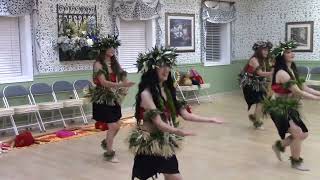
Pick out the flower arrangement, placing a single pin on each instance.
(76, 39)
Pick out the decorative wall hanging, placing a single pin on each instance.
(302, 33)
(78, 30)
(180, 32)
(218, 12)
(134, 10)
(16, 7)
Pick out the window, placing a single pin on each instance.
(136, 37)
(15, 49)
(217, 44)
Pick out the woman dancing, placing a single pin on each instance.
(283, 108)
(157, 136)
(253, 80)
(107, 95)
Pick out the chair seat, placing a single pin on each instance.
(23, 109)
(72, 102)
(50, 106)
(189, 88)
(205, 86)
(6, 112)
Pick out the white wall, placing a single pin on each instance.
(266, 19)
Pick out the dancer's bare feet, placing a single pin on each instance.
(277, 152)
(298, 164)
(111, 157)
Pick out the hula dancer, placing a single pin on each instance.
(284, 106)
(111, 87)
(253, 80)
(157, 137)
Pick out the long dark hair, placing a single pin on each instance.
(258, 54)
(281, 64)
(150, 80)
(115, 66)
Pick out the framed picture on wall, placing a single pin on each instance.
(180, 32)
(302, 33)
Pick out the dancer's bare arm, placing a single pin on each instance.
(148, 104)
(196, 118)
(283, 77)
(311, 90)
(254, 63)
(104, 82)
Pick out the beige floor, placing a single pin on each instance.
(232, 151)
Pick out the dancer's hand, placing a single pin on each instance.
(127, 84)
(216, 120)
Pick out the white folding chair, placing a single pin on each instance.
(25, 104)
(204, 87)
(7, 112)
(43, 90)
(186, 91)
(78, 87)
(304, 71)
(314, 78)
(62, 87)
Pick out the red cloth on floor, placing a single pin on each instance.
(24, 139)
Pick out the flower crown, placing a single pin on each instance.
(157, 57)
(107, 42)
(279, 50)
(262, 44)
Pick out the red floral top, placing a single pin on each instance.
(278, 88)
(112, 78)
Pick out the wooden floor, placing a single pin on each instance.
(233, 151)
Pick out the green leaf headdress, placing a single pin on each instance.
(157, 57)
(106, 43)
(279, 50)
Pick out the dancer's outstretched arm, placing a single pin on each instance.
(311, 90)
(196, 118)
(284, 77)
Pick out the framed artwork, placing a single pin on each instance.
(180, 32)
(302, 33)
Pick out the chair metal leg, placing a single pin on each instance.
(209, 97)
(15, 129)
(183, 97)
(64, 123)
(40, 122)
(85, 120)
(195, 95)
